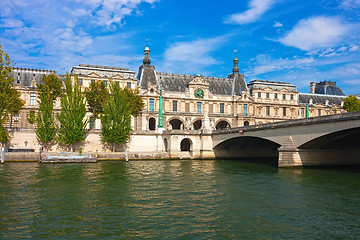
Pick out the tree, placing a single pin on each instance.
(31, 116)
(351, 104)
(96, 97)
(116, 118)
(73, 112)
(48, 90)
(10, 101)
(135, 101)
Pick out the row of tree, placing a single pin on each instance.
(113, 105)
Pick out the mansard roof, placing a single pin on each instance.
(179, 83)
(304, 98)
(277, 86)
(103, 71)
(24, 76)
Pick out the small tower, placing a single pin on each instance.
(147, 60)
(236, 65)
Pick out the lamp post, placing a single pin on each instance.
(160, 120)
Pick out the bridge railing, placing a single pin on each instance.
(297, 122)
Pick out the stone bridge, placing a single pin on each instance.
(326, 140)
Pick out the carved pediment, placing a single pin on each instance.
(117, 76)
(93, 75)
(198, 80)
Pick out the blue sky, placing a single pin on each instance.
(296, 41)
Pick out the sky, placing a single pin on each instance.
(295, 41)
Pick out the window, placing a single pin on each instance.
(106, 83)
(92, 123)
(302, 112)
(92, 81)
(245, 109)
(222, 108)
(267, 95)
(267, 110)
(198, 107)
(33, 98)
(259, 94)
(128, 85)
(174, 106)
(319, 112)
(292, 96)
(284, 111)
(275, 96)
(151, 104)
(334, 111)
(284, 96)
(118, 83)
(80, 82)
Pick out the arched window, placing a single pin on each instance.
(185, 145)
(222, 125)
(176, 123)
(197, 124)
(152, 123)
(166, 145)
(246, 123)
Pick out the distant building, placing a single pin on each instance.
(187, 99)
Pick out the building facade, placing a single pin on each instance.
(188, 99)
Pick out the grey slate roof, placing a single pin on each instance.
(320, 98)
(277, 86)
(24, 76)
(179, 83)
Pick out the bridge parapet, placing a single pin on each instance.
(290, 123)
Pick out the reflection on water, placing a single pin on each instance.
(177, 199)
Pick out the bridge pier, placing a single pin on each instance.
(289, 155)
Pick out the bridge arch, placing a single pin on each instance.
(222, 124)
(247, 147)
(344, 139)
(176, 123)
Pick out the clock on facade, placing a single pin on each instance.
(199, 93)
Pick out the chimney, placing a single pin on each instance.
(312, 87)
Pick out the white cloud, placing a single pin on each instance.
(191, 57)
(265, 64)
(109, 12)
(12, 23)
(316, 32)
(349, 4)
(278, 24)
(256, 9)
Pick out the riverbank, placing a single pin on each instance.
(102, 156)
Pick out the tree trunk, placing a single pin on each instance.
(114, 147)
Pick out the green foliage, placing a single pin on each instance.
(10, 101)
(73, 112)
(96, 97)
(48, 91)
(50, 87)
(135, 101)
(351, 104)
(116, 118)
(31, 117)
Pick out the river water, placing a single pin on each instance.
(177, 200)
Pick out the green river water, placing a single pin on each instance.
(210, 199)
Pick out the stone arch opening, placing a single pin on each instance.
(197, 124)
(222, 125)
(246, 123)
(176, 124)
(152, 123)
(186, 145)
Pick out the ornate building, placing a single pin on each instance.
(227, 102)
